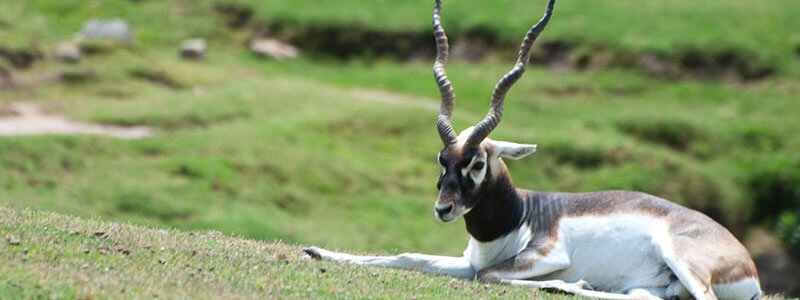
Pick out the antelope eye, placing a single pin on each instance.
(478, 166)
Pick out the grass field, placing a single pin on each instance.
(293, 150)
(275, 166)
(46, 255)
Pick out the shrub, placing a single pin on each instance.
(788, 230)
(678, 135)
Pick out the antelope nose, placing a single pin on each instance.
(444, 209)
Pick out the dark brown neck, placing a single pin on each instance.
(499, 210)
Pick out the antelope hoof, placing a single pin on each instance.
(486, 277)
(582, 284)
(557, 289)
(313, 252)
(560, 287)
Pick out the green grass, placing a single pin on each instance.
(762, 27)
(47, 255)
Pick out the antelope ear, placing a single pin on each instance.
(512, 150)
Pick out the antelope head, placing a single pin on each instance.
(472, 164)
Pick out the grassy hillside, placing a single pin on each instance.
(272, 149)
(47, 255)
(760, 27)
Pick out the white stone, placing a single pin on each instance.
(194, 48)
(273, 48)
(116, 29)
(67, 51)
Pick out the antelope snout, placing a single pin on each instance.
(444, 212)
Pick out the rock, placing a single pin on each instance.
(123, 250)
(193, 49)
(19, 58)
(12, 240)
(471, 49)
(70, 76)
(658, 67)
(778, 272)
(67, 52)
(281, 257)
(116, 30)
(272, 48)
(7, 81)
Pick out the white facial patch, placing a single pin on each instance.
(463, 136)
(439, 160)
(477, 174)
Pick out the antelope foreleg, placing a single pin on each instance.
(433, 264)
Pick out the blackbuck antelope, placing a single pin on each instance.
(610, 245)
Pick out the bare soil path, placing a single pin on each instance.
(27, 119)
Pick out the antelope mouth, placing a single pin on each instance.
(447, 212)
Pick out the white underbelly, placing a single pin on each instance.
(614, 253)
(744, 289)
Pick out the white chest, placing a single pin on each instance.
(485, 254)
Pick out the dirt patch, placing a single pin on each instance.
(728, 64)
(775, 190)
(7, 111)
(580, 157)
(777, 270)
(19, 58)
(159, 78)
(236, 16)
(568, 91)
(557, 55)
(28, 119)
(678, 135)
(7, 81)
(347, 41)
(797, 52)
(392, 98)
(76, 76)
(475, 45)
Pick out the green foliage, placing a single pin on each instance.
(674, 134)
(789, 232)
(761, 27)
(775, 186)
